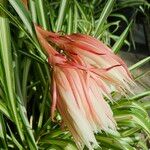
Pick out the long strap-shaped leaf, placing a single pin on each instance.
(27, 20)
(3, 133)
(23, 13)
(20, 26)
(134, 116)
(5, 53)
(116, 47)
(140, 63)
(42, 17)
(114, 143)
(103, 17)
(61, 15)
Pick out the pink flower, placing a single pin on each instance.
(88, 51)
(82, 76)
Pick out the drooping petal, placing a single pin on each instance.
(77, 121)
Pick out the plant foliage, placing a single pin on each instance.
(25, 79)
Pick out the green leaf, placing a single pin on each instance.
(33, 11)
(6, 57)
(40, 122)
(140, 96)
(131, 3)
(135, 117)
(24, 14)
(3, 134)
(61, 16)
(146, 105)
(116, 47)
(70, 21)
(130, 132)
(113, 142)
(42, 14)
(16, 142)
(75, 19)
(4, 110)
(140, 63)
(18, 117)
(129, 105)
(27, 64)
(80, 10)
(20, 26)
(103, 17)
(120, 16)
(33, 57)
(65, 144)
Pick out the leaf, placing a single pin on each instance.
(103, 17)
(130, 132)
(135, 117)
(140, 63)
(4, 110)
(28, 130)
(116, 47)
(33, 57)
(32, 5)
(65, 144)
(129, 105)
(113, 142)
(20, 26)
(70, 21)
(42, 14)
(120, 16)
(24, 14)
(6, 57)
(61, 16)
(115, 24)
(40, 121)
(140, 96)
(3, 134)
(75, 19)
(143, 145)
(80, 9)
(146, 105)
(16, 142)
(131, 3)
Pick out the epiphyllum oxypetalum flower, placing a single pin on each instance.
(88, 51)
(81, 78)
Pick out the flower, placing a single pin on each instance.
(82, 76)
(88, 51)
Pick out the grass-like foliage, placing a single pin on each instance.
(25, 75)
